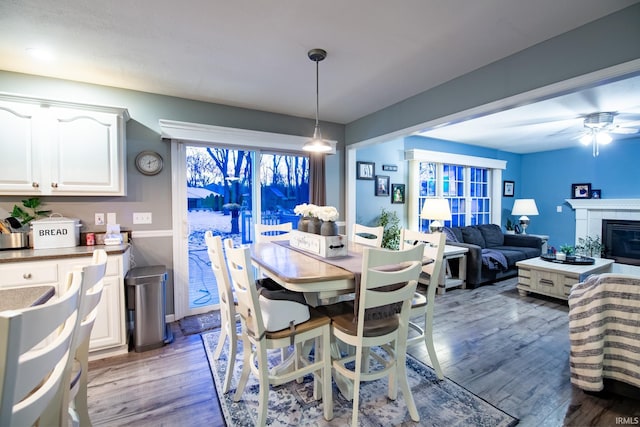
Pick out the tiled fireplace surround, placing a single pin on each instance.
(591, 212)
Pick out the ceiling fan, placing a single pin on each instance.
(598, 126)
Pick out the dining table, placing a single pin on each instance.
(323, 281)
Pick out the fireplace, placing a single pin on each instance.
(590, 213)
(621, 240)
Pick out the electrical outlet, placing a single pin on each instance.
(142, 218)
(99, 219)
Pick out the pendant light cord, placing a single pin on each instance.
(317, 129)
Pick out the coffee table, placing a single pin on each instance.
(554, 279)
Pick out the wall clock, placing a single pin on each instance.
(149, 163)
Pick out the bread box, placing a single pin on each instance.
(55, 232)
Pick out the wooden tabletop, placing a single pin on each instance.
(299, 272)
(24, 297)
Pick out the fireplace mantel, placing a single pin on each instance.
(591, 212)
(605, 204)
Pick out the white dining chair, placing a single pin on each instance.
(35, 347)
(369, 236)
(228, 315)
(423, 305)
(273, 232)
(256, 340)
(388, 281)
(91, 289)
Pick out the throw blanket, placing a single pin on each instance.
(604, 329)
(494, 260)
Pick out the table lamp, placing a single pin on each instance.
(436, 210)
(524, 207)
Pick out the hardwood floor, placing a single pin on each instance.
(512, 351)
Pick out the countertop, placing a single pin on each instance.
(17, 298)
(20, 255)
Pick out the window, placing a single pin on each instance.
(471, 184)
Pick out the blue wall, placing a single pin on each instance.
(545, 176)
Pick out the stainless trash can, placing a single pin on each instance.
(146, 306)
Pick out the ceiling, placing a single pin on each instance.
(551, 124)
(254, 54)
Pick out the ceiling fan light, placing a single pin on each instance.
(603, 138)
(586, 139)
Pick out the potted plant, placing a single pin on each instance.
(565, 252)
(391, 234)
(29, 211)
(510, 226)
(590, 246)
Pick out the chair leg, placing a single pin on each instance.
(221, 339)
(246, 368)
(356, 387)
(327, 393)
(263, 380)
(233, 348)
(80, 401)
(428, 340)
(401, 368)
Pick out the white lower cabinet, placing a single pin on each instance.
(108, 336)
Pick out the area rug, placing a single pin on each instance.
(200, 323)
(440, 403)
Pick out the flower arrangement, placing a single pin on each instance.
(324, 213)
(327, 213)
(305, 209)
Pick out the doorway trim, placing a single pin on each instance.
(182, 133)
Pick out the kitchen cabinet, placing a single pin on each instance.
(55, 148)
(109, 335)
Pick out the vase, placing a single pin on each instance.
(314, 226)
(303, 224)
(329, 228)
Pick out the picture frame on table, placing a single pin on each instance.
(596, 193)
(508, 188)
(397, 193)
(581, 191)
(365, 170)
(382, 185)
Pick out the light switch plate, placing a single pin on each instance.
(142, 218)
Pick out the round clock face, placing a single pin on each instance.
(149, 162)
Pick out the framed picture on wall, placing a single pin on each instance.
(580, 191)
(397, 193)
(382, 185)
(508, 188)
(365, 170)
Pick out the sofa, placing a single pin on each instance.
(492, 254)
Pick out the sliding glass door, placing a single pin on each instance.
(223, 193)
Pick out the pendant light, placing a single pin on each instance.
(317, 144)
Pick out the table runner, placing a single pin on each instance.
(352, 262)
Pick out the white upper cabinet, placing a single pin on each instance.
(54, 148)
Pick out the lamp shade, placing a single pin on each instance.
(436, 209)
(524, 207)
